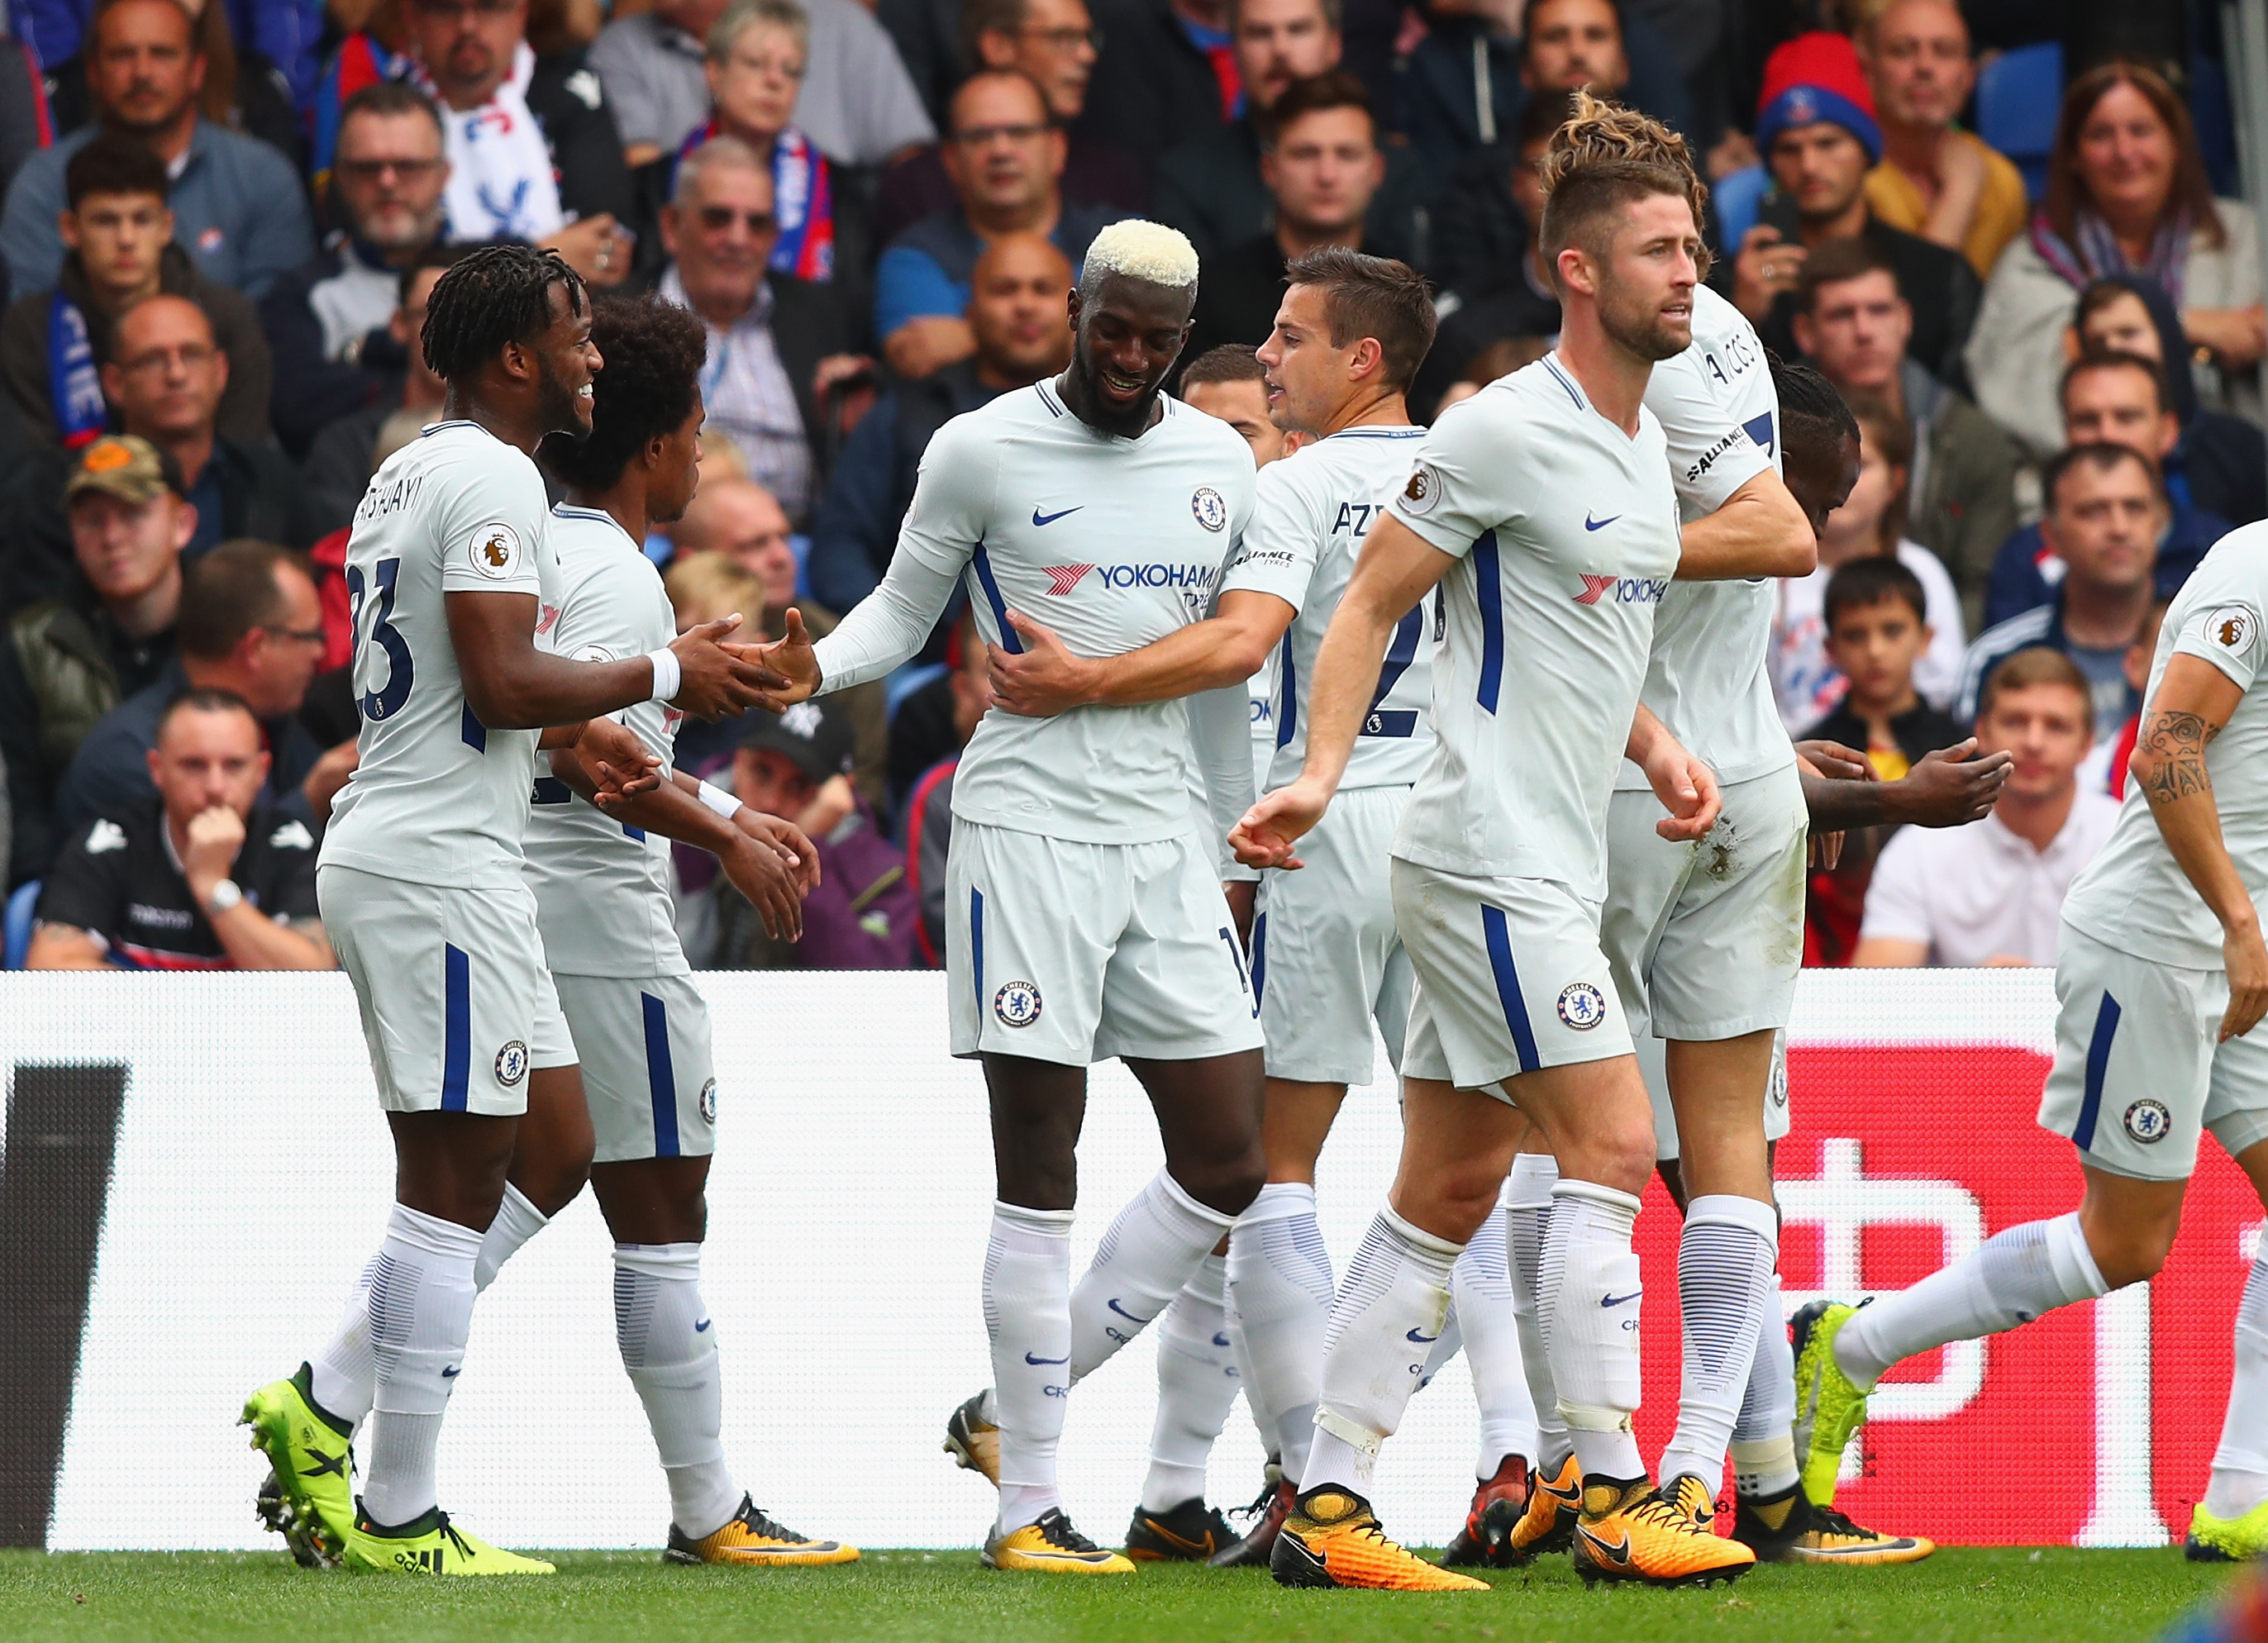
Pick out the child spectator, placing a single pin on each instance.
(1877, 633)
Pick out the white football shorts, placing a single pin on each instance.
(1074, 953)
(647, 1073)
(1510, 978)
(2137, 1077)
(1326, 958)
(451, 984)
(1705, 938)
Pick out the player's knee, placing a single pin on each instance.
(2130, 1254)
(1227, 1184)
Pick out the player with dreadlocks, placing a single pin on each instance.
(424, 891)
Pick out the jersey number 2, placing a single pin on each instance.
(400, 670)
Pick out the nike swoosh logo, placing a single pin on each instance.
(452, 1372)
(1039, 518)
(1616, 1300)
(1197, 1548)
(1590, 524)
(1113, 1304)
(1423, 1340)
(1035, 1362)
(1617, 1555)
(703, 1326)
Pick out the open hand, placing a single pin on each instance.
(619, 764)
(1950, 788)
(719, 679)
(790, 661)
(1043, 680)
(785, 840)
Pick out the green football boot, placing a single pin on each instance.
(1830, 1406)
(309, 1496)
(432, 1545)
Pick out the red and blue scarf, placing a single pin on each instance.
(74, 385)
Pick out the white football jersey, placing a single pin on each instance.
(1565, 531)
(438, 796)
(1112, 543)
(1311, 512)
(2134, 896)
(1710, 678)
(602, 886)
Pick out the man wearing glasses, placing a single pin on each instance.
(252, 625)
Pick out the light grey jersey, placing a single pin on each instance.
(2134, 896)
(1709, 679)
(602, 886)
(1309, 518)
(437, 797)
(1111, 544)
(1565, 531)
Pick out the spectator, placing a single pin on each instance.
(1228, 382)
(949, 710)
(656, 68)
(1054, 43)
(1877, 633)
(1943, 184)
(1500, 287)
(55, 345)
(1163, 72)
(1322, 165)
(2220, 461)
(347, 453)
(863, 916)
(252, 625)
(2106, 513)
(2127, 193)
(1006, 162)
(24, 125)
(1851, 320)
(239, 207)
(1018, 314)
(773, 339)
(1870, 524)
(201, 875)
(1991, 894)
(330, 322)
(65, 662)
(244, 89)
(1815, 125)
(2119, 399)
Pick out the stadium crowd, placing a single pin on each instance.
(222, 224)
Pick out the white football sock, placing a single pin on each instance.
(670, 1351)
(2240, 1465)
(1590, 1296)
(1027, 1318)
(1395, 1301)
(1143, 1261)
(1526, 1211)
(1725, 1256)
(2015, 1275)
(421, 1316)
(1483, 1290)
(1764, 1438)
(1196, 1383)
(345, 1376)
(1279, 1291)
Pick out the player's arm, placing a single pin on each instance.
(511, 685)
(1946, 788)
(2193, 701)
(1397, 568)
(1223, 651)
(1761, 530)
(1685, 785)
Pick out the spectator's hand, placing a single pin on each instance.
(1241, 894)
(838, 369)
(785, 840)
(1733, 151)
(2247, 958)
(1688, 787)
(920, 346)
(1765, 269)
(2006, 960)
(716, 679)
(329, 773)
(770, 881)
(1045, 680)
(789, 658)
(835, 799)
(597, 248)
(619, 763)
(2237, 337)
(1950, 788)
(214, 836)
(1266, 836)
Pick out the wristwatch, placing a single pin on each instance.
(225, 896)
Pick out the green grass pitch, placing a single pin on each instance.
(1960, 1597)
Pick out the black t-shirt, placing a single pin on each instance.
(119, 880)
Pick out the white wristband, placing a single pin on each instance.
(717, 800)
(669, 677)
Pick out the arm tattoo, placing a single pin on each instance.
(2176, 743)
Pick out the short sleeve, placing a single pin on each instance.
(2223, 624)
(1897, 897)
(911, 285)
(86, 886)
(1277, 553)
(491, 523)
(1458, 486)
(1722, 425)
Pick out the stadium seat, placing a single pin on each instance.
(1735, 199)
(18, 942)
(2018, 94)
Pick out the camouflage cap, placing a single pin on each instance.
(127, 466)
